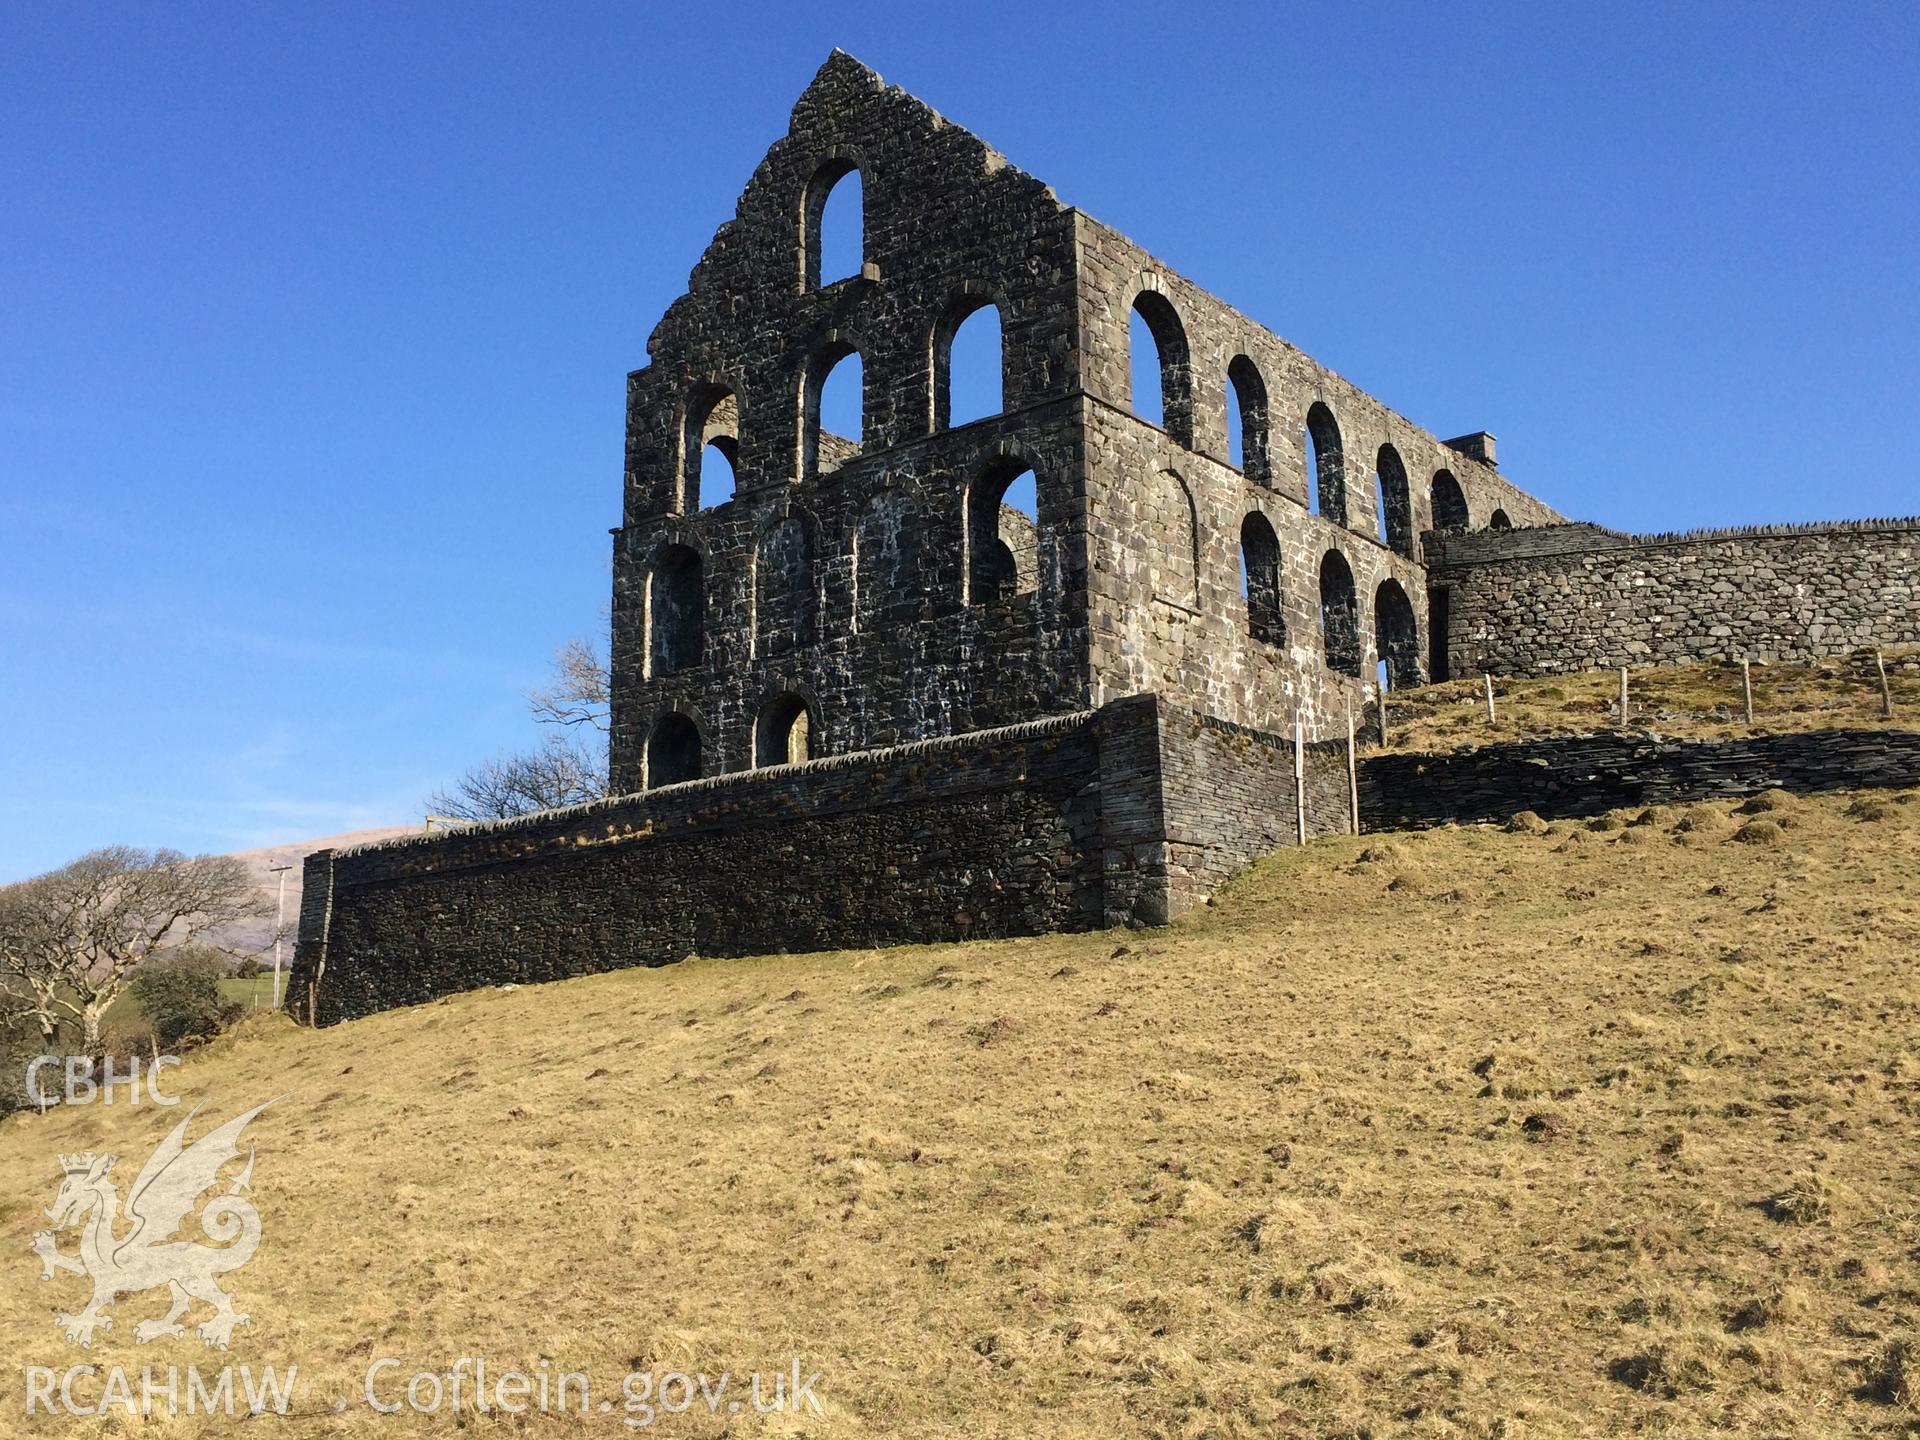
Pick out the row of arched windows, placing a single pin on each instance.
(1396, 632)
(893, 570)
(1163, 395)
(966, 360)
(782, 735)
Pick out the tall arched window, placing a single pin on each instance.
(1247, 439)
(1449, 502)
(1339, 615)
(676, 601)
(673, 751)
(783, 733)
(712, 447)
(834, 220)
(1326, 465)
(1161, 374)
(1395, 499)
(968, 364)
(1260, 579)
(1003, 535)
(1396, 636)
(833, 418)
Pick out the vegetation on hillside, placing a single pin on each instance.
(1598, 1127)
(1699, 701)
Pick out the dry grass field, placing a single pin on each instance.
(1700, 701)
(1570, 1129)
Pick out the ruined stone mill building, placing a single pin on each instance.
(863, 698)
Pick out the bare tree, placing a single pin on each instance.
(579, 692)
(559, 773)
(70, 940)
(568, 768)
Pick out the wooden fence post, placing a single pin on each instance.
(1491, 719)
(1746, 686)
(1886, 691)
(1299, 780)
(1623, 697)
(1353, 775)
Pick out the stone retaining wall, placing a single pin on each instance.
(1590, 774)
(1127, 815)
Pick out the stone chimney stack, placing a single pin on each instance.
(1479, 445)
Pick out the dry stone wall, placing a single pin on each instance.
(1577, 597)
(1589, 774)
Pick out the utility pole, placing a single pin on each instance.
(279, 925)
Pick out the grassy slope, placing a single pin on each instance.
(1701, 701)
(1428, 1135)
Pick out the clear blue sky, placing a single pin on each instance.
(314, 318)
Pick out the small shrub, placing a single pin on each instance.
(1782, 1301)
(1895, 1376)
(1609, 821)
(1673, 1366)
(1543, 1126)
(249, 969)
(1527, 822)
(1698, 818)
(1806, 1199)
(1767, 802)
(1869, 807)
(180, 995)
(1761, 832)
(130, 1040)
(19, 1045)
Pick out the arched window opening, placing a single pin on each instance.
(1396, 502)
(835, 223)
(712, 447)
(1174, 565)
(1159, 371)
(782, 735)
(834, 419)
(1326, 465)
(888, 551)
(676, 600)
(968, 365)
(1260, 579)
(1449, 502)
(1003, 535)
(784, 599)
(1247, 438)
(1396, 636)
(673, 752)
(1339, 615)
(1499, 521)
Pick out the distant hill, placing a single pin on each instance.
(255, 937)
